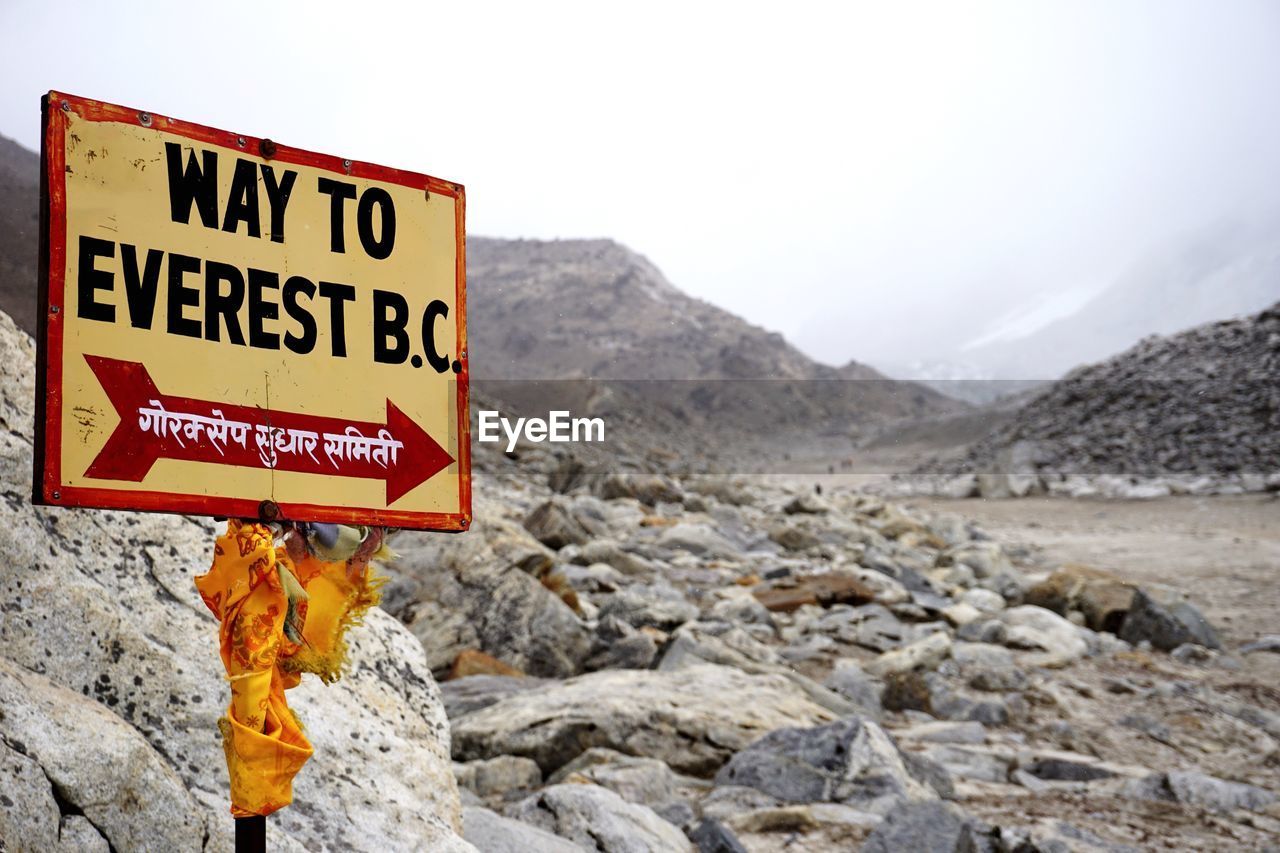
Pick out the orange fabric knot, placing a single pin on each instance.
(263, 740)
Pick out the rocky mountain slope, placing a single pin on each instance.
(19, 231)
(111, 689)
(571, 310)
(1197, 411)
(619, 341)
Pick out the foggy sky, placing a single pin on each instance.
(877, 181)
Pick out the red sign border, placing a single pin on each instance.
(47, 486)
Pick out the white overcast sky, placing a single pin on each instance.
(837, 172)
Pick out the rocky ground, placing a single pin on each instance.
(641, 663)
(646, 663)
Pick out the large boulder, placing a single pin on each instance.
(693, 719)
(478, 589)
(103, 604)
(1102, 598)
(851, 761)
(695, 645)
(85, 759)
(1167, 628)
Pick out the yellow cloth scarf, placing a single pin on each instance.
(264, 743)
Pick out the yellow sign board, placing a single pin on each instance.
(226, 320)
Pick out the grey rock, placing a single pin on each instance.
(609, 552)
(990, 631)
(725, 802)
(1268, 643)
(985, 559)
(794, 537)
(944, 732)
(700, 540)
(807, 503)
(920, 827)
(1055, 769)
(692, 719)
(712, 836)
(851, 761)
(949, 703)
(598, 819)
(28, 809)
(621, 646)
(984, 600)
(812, 646)
(552, 524)
(695, 503)
(718, 642)
(647, 781)
(925, 653)
(656, 605)
(926, 770)
(77, 833)
(1199, 404)
(1009, 585)
(490, 832)
(1052, 640)
(931, 601)
(1198, 789)
(96, 763)
(981, 655)
(1193, 653)
(480, 577)
(568, 475)
(976, 762)
(996, 679)
(490, 777)
(464, 695)
(1062, 837)
(595, 577)
(677, 813)
(853, 683)
(1166, 628)
(694, 645)
(878, 629)
(646, 488)
(740, 609)
(1149, 726)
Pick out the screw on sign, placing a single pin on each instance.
(236, 328)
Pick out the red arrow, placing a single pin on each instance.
(156, 426)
